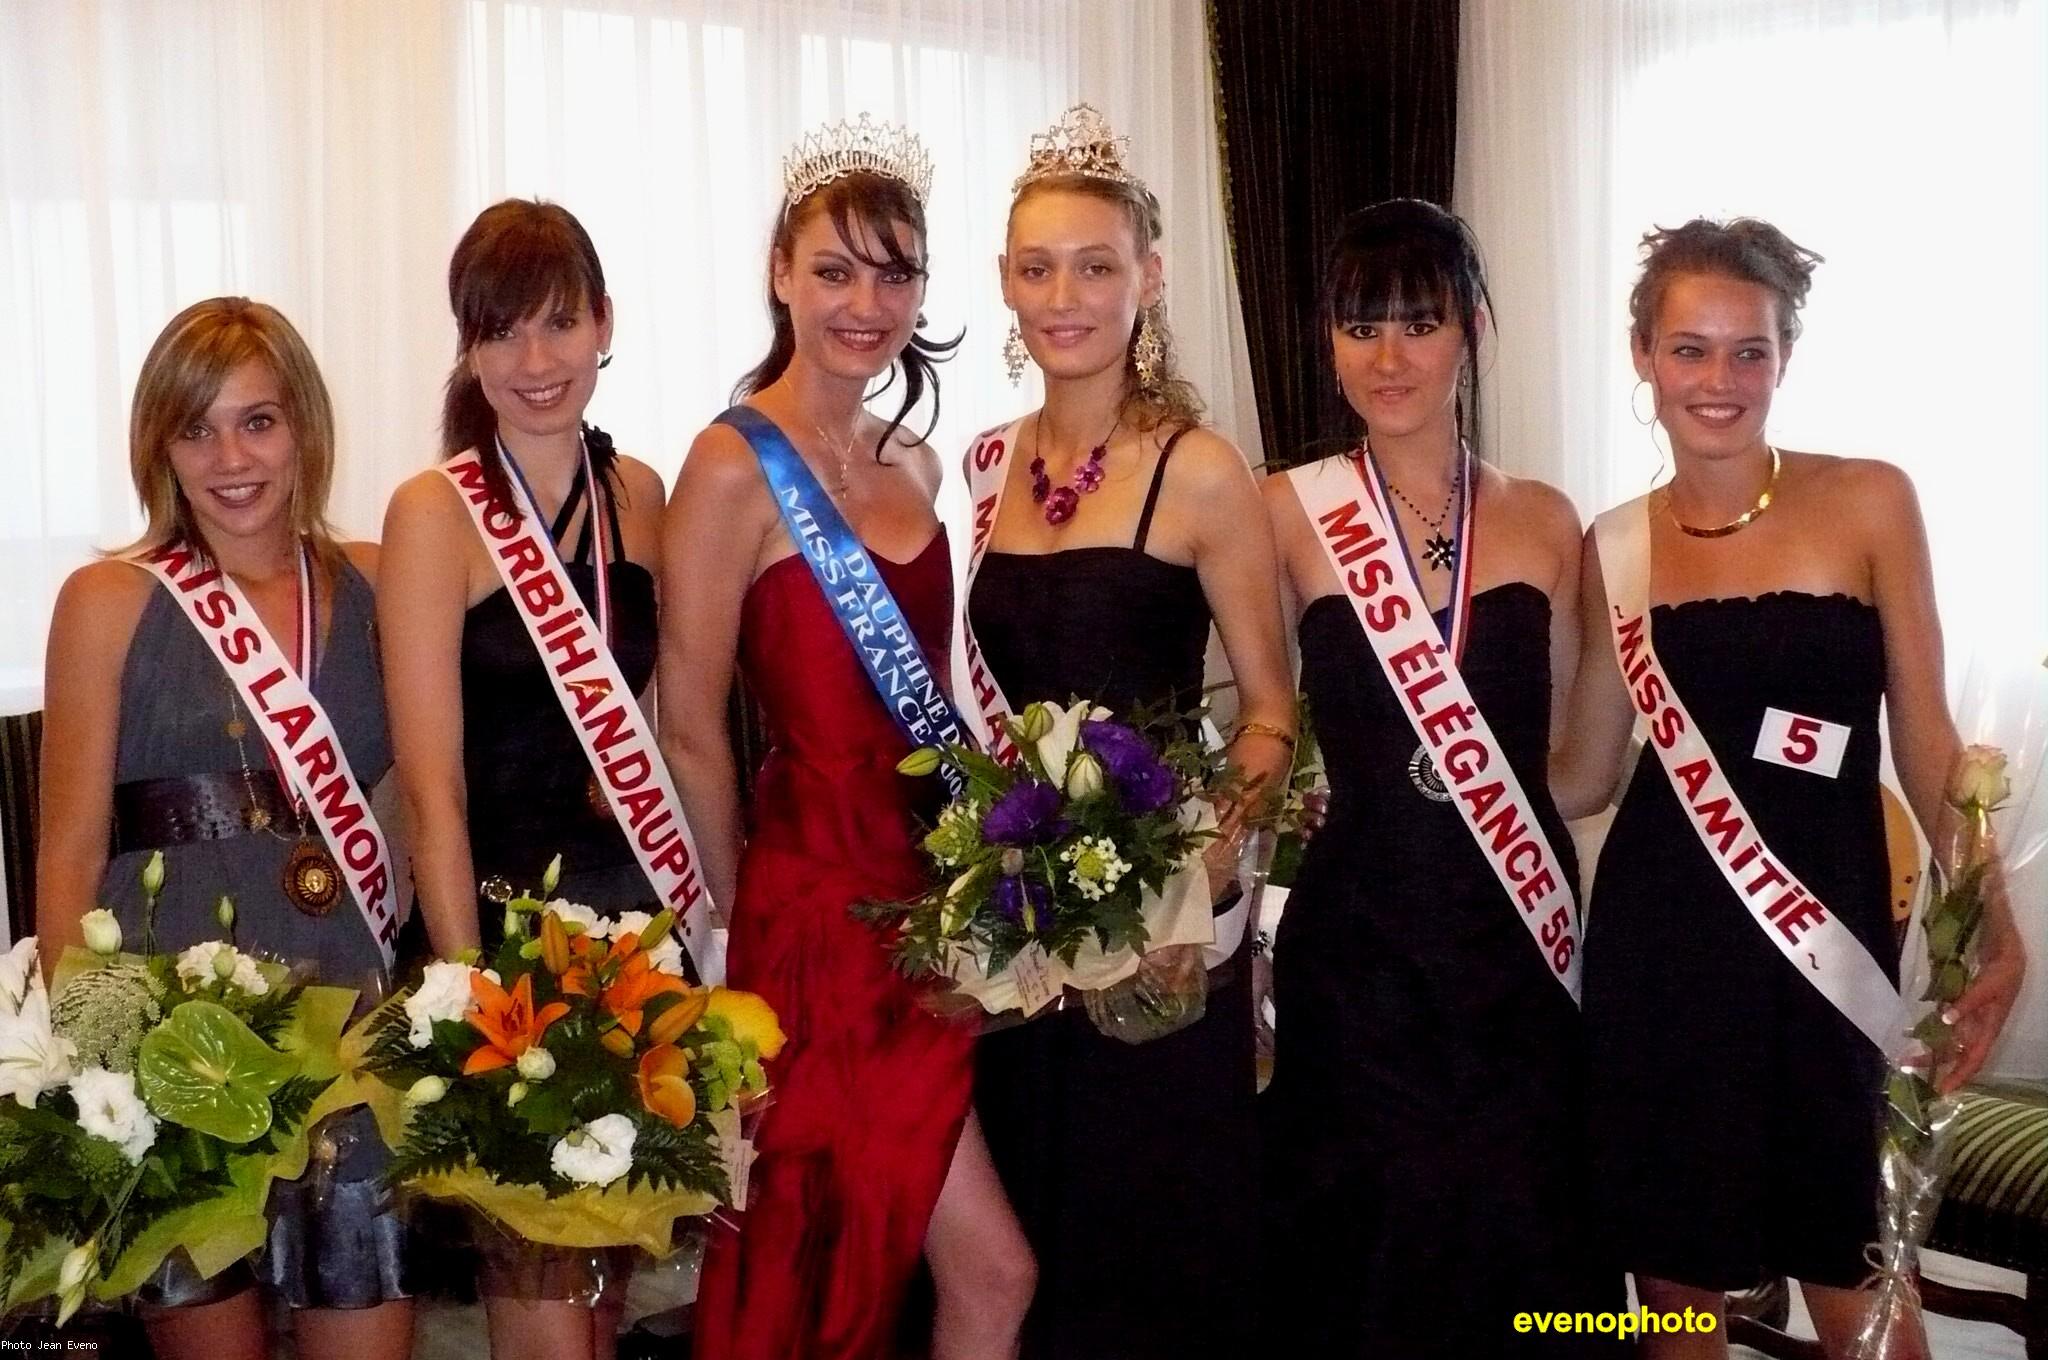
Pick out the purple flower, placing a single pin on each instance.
(1142, 781)
(1088, 476)
(1029, 814)
(1016, 895)
(1059, 506)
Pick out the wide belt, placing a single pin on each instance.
(152, 813)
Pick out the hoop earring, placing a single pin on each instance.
(1650, 419)
(1015, 356)
(1148, 351)
(1663, 457)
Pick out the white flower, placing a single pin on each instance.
(1979, 781)
(956, 911)
(443, 994)
(551, 876)
(515, 1093)
(153, 875)
(426, 1091)
(536, 1064)
(1058, 742)
(81, 1263)
(17, 967)
(33, 1057)
(217, 959)
(1097, 866)
(109, 1108)
(1084, 776)
(576, 914)
(102, 932)
(667, 956)
(598, 1153)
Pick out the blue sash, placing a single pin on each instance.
(909, 687)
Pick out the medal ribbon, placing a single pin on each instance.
(1462, 555)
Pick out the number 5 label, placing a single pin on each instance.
(1802, 743)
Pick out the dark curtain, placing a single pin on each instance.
(1325, 106)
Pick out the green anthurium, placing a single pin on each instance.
(203, 1068)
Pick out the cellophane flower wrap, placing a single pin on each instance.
(1994, 825)
(1059, 870)
(574, 1088)
(147, 1101)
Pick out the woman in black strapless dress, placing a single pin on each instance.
(1131, 1168)
(1424, 1179)
(1735, 1110)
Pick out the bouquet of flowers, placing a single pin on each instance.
(152, 1103)
(578, 1090)
(1059, 870)
(1972, 869)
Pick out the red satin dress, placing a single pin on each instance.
(871, 1091)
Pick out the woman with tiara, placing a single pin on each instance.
(150, 745)
(493, 768)
(868, 1156)
(1111, 527)
(1767, 609)
(1424, 1114)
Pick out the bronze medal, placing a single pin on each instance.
(312, 880)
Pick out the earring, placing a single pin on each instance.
(604, 360)
(1014, 354)
(1633, 393)
(1148, 351)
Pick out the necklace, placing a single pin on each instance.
(1060, 502)
(1763, 503)
(1438, 550)
(843, 452)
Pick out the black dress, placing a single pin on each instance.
(1424, 1150)
(529, 781)
(1735, 1112)
(1131, 1167)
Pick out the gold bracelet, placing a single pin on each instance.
(1265, 730)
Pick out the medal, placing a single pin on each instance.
(593, 794)
(1422, 774)
(312, 880)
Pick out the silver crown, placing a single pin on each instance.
(862, 146)
(1080, 143)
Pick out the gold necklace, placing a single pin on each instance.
(1763, 503)
(843, 452)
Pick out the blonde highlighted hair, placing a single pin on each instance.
(186, 368)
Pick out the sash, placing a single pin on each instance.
(299, 735)
(1359, 539)
(988, 469)
(1810, 937)
(616, 736)
(875, 625)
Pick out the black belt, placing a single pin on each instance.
(152, 813)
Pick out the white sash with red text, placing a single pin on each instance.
(1356, 537)
(1791, 917)
(302, 740)
(617, 739)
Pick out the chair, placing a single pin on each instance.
(21, 744)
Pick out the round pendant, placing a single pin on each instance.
(312, 880)
(1422, 774)
(593, 794)
(496, 888)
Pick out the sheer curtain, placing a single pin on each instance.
(324, 156)
(1902, 139)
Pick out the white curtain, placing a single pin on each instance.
(1902, 139)
(325, 155)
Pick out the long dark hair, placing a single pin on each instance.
(880, 203)
(1405, 259)
(518, 257)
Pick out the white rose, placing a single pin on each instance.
(109, 1108)
(217, 959)
(17, 966)
(443, 994)
(598, 1153)
(33, 1057)
(536, 1064)
(667, 957)
(102, 931)
(1979, 780)
(576, 914)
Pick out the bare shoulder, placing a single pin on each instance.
(425, 498)
(1206, 463)
(720, 466)
(926, 466)
(1878, 494)
(1540, 507)
(642, 484)
(99, 606)
(362, 555)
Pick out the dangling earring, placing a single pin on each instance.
(1633, 393)
(1148, 351)
(1014, 354)
(604, 360)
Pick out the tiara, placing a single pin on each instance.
(862, 146)
(1080, 143)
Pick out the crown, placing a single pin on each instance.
(1080, 143)
(862, 146)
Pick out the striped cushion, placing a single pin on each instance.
(21, 741)
(1995, 1207)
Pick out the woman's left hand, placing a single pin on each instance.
(1978, 1015)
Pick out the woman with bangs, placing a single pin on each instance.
(1423, 1118)
(868, 1156)
(493, 771)
(149, 746)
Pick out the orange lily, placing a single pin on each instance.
(507, 1021)
(675, 1021)
(636, 982)
(665, 1084)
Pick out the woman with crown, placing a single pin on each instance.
(1111, 528)
(868, 1156)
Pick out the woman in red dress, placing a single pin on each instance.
(868, 1156)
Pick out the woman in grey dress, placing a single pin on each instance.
(148, 746)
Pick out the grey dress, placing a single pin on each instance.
(335, 1239)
